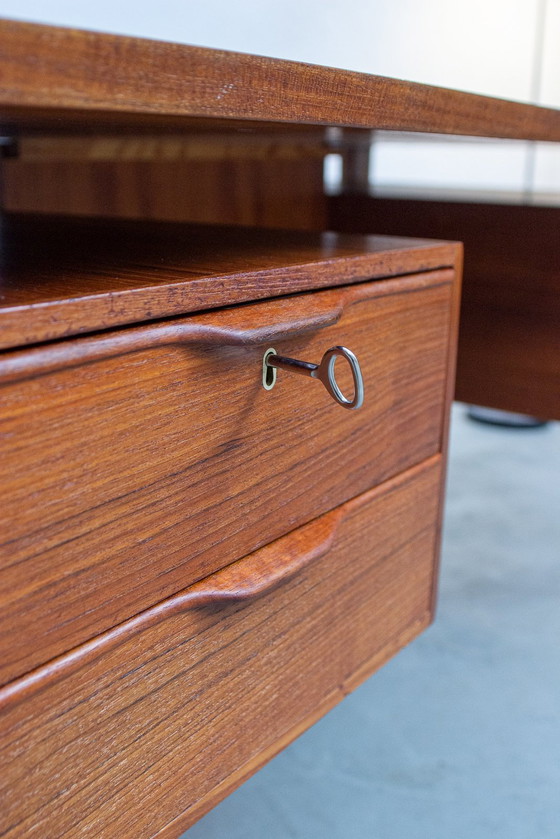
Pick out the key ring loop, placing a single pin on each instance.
(326, 373)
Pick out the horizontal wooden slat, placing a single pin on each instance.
(235, 178)
(207, 146)
(52, 75)
(152, 723)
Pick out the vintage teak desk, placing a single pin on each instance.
(194, 567)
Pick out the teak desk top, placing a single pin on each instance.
(88, 78)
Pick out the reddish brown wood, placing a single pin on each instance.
(142, 459)
(148, 726)
(62, 276)
(287, 143)
(510, 361)
(163, 463)
(509, 340)
(280, 192)
(59, 73)
(206, 803)
(286, 317)
(454, 318)
(257, 574)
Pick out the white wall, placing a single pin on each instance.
(547, 155)
(508, 48)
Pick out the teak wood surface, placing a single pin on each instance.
(88, 78)
(143, 730)
(221, 177)
(63, 276)
(119, 489)
(142, 458)
(281, 192)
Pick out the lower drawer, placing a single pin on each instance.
(144, 728)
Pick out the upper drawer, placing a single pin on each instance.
(139, 461)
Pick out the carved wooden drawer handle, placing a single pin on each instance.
(324, 372)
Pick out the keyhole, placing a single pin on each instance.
(269, 373)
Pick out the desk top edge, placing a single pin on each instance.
(56, 78)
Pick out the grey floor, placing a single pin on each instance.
(459, 736)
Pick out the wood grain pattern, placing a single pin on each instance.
(509, 340)
(510, 360)
(63, 276)
(64, 73)
(248, 178)
(131, 475)
(140, 460)
(207, 802)
(150, 731)
(201, 145)
(281, 192)
(286, 317)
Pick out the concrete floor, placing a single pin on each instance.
(459, 736)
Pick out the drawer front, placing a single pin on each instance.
(157, 720)
(140, 461)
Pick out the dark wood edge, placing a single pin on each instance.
(47, 68)
(243, 580)
(455, 308)
(278, 318)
